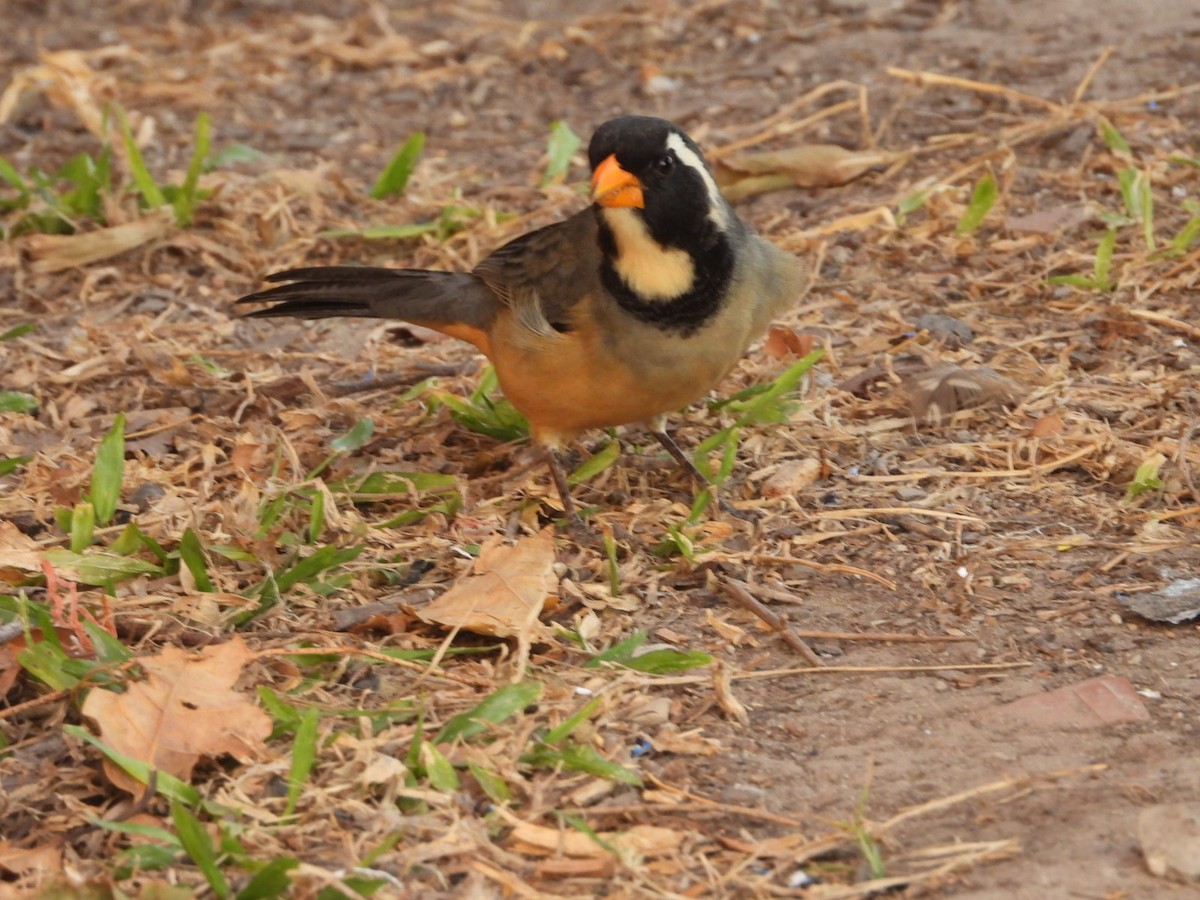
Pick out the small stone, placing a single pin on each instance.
(1095, 703)
(1170, 837)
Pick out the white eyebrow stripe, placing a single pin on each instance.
(718, 212)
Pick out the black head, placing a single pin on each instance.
(660, 171)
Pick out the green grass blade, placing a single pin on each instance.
(586, 758)
(12, 177)
(108, 471)
(18, 331)
(493, 785)
(439, 769)
(194, 838)
(165, 783)
(15, 401)
(396, 174)
(192, 555)
(983, 198)
(307, 569)
(100, 568)
(666, 662)
(1187, 235)
(597, 463)
(619, 652)
(493, 709)
(151, 193)
(1113, 139)
(1083, 282)
(108, 648)
(577, 822)
(356, 438)
(304, 757)
(1102, 271)
(1126, 180)
(12, 463)
(384, 232)
(1146, 210)
(47, 662)
(562, 731)
(83, 526)
(560, 147)
(271, 881)
(185, 200)
(316, 521)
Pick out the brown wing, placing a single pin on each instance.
(542, 276)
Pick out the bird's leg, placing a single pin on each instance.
(554, 462)
(689, 467)
(680, 457)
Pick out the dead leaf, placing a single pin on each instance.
(783, 342)
(643, 840)
(1048, 221)
(940, 392)
(19, 554)
(1049, 425)
(506, 593)
(55, 252)
(185, 709)
(9, 670)
(723, 689)
(727, 630)
(669, 739)
(744, 175)
(36, 865)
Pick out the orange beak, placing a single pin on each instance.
(612, 186)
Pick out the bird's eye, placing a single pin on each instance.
(664, 164)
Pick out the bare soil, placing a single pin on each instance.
(974, 528)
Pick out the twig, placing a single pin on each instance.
(740, 591)
(1091, 72)
(33, 704)
(924, 79)
(372, 654)
(868, 670)
(768, 559)
(387, 382)
(1159, 319)
(990, 788)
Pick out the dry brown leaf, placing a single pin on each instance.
(669, 739)
(744, 175)
(10, 671)
(784, 342)
(642, 840)
(723, 690)
(1050, 220)
(943, 390)
(727, 630)
(55, 252)
(19, 554)
(506, 593)
(37, 865)
(186, 708)
(1049, 425)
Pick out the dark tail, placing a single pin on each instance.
(421, 296)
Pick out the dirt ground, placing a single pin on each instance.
(1008, 528)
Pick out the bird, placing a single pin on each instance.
(630, 309)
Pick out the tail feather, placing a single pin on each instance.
(420, 296)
